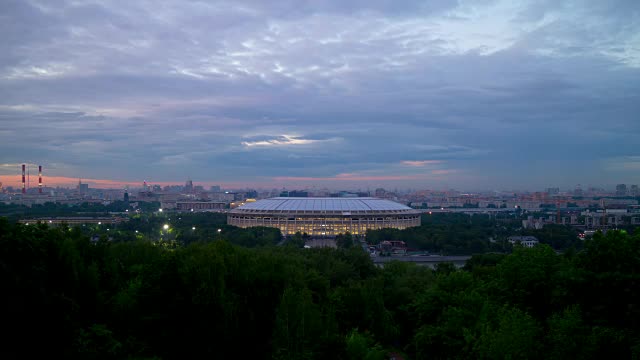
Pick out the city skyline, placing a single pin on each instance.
(14, 181)
(454, 94)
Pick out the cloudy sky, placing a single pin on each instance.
(344, 94)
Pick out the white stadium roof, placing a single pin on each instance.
(296, 204)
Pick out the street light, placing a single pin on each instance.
(160, 210)
(193, 228)
(166, 226)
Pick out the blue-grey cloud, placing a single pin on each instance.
(494, 93)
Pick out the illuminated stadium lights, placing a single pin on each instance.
(324, 217)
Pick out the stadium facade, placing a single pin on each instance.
(324, 217)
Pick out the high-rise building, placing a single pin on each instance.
(188, 186)
(634, 191)
(621, 190)
(82, 188)
(215, 188)
(294, 193)
(578, 191)
(553, 191)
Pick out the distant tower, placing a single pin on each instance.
(621, 190)
(40, 179)
(24, 189)
(188, 186)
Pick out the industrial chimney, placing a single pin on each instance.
(40, 179)
(24, 189)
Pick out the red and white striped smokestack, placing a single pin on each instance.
(24, 189)
(40, 179)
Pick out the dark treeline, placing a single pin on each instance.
(17, 211)
(456, 233)
(187, 228)
(70, 298)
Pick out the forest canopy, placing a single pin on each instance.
(70, 297)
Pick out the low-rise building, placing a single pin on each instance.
(200, 205)
(526, 241)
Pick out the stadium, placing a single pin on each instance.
(324, 217)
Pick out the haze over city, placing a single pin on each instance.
(438, 94)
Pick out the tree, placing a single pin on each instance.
(363, 347)
(297, 240)
(298, 324)
(344, 241)
(567, 336)
(515, 336)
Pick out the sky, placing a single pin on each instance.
(340, 94)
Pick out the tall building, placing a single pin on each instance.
(294, 193)
(82, 188)
(578, 191)
(553, 191)
(621, 190)
(633, 192)
(188, 186)
(215, 188)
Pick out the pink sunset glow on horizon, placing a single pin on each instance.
(62, 181)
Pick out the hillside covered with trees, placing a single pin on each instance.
(68, 297)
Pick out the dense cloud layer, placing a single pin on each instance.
(472, 94)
